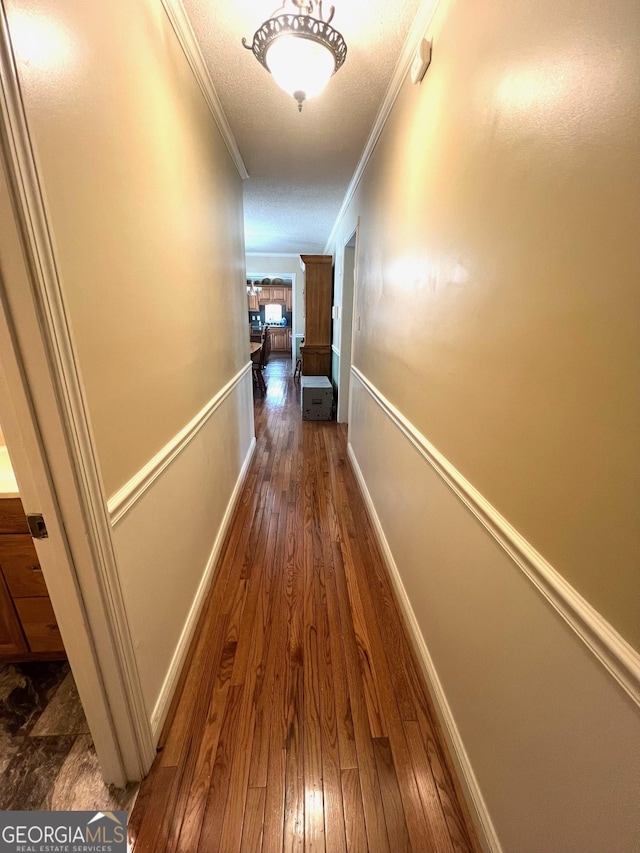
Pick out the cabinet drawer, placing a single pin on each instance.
(39, 624)
(20, 566)
(12, 517)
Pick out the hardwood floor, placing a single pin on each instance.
(301, 722)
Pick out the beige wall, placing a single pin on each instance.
(146, 209)
(499, 271)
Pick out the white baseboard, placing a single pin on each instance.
(163, 703)
(480, 813)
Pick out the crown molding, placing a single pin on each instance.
(418, 29)
(181, 24)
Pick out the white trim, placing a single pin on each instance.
(31, 214)
(612, 650)
(418, 29)
(121, 502)
(335, 349)
(464, 764)
(169, 685)
(184, 31)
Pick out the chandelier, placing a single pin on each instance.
(299, 48)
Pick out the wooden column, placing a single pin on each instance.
(316, 350)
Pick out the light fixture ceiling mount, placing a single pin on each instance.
(299, 47)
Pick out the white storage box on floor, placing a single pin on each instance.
(316, 398)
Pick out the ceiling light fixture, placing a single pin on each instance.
(299, 48)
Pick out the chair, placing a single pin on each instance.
(266, 344)
(297, 372)
(257, 366)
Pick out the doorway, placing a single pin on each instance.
(48, 759)
(346, 325)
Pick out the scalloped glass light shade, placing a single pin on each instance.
(300, 65)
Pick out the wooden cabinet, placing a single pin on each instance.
(277, 294)
(280, 338)
(316, 350)
(280, 294)
(28, 627)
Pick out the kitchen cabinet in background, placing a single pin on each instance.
(280, 338)
(28, 627)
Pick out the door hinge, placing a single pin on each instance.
(37, 526)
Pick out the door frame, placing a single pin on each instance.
(346, 329)
(293, 277)
(45, 418)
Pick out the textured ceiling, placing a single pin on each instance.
(299, 164)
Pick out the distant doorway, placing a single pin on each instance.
(346, 325)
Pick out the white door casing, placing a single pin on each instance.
(44, 414)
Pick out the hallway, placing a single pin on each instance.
(301, 720)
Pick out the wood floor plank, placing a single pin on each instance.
(374, 819)
(428, 789)
(331, 780)
(253, 822)
(268, 687)
(301, 720)
(293, 830)
(211, 827)
(356, 833)
(391, 799)
(231, 831)
(339, 687)
(381, 591)
(200, 780)
(418, 827)
(314, 833)
(462, 837)
(276, 769)
(146, 840)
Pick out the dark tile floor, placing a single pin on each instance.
(47, 757)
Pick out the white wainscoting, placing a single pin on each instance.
(537, 694)
(169, 524)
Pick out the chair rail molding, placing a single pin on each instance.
(184, 32)
(620, 659)
(121, 502)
